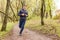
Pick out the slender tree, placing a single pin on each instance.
(5, 17)
(50, 10)
(42, 11)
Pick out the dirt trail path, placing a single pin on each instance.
(27, 35)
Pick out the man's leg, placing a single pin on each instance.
(20, 23)
(22, 26)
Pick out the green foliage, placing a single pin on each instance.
(51, 26)
(49, 4)
(57, 17)
(9, 27)
(33, 7)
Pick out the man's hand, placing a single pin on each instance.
(22, 14)
(26, 15)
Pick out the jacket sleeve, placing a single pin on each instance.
(27, 14)
(19, 13)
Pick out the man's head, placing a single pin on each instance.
(24, 7)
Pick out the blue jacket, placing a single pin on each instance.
(21, 12)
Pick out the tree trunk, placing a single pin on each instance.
(50, 13)
(46, 15)
(5, 17)
(50, 10)
(42, 15)
(17, 8)
(42, 12)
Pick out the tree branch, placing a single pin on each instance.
(12, 10)
(6, 15)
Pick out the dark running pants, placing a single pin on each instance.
(21, 25)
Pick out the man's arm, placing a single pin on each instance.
(19, 14)
(26, 14)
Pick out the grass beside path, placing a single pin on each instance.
(51, 26)
(9, 27)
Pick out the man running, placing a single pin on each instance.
(23, 15)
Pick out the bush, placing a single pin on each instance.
(57, 17)
(9, 27)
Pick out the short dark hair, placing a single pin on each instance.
(24, 5)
